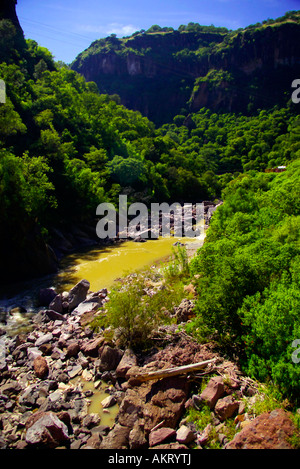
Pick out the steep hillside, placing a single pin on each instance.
(8, 11)
(65, 148)
(162, 72)
(12, 41)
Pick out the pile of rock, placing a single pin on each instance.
(42, 406)
(39, 403)
(152, 415)
(209, 209)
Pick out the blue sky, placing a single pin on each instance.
(68, 27)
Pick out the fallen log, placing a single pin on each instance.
(167, 372)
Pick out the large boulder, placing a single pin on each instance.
(78, 294)
(168, 397)
(128, 360)
(213, 391)
(45, 429)
(131, 408)
(161, 435)
(110, 358)
(118, 438)
(226, 407)
(270, 430)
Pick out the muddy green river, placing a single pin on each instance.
(101, 266)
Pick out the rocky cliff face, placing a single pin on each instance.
(147, 73)
(262, 65)
(8, 11)
(151, 71)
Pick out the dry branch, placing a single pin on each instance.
(167, 372)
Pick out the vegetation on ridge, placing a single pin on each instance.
(163, 72)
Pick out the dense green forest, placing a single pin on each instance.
(248, 275)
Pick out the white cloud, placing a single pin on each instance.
(122, 30)
(112, 28)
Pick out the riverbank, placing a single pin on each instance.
(102, 266)
(43, 406)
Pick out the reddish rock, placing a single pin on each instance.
(204, 436)
(131, 408)
(86, 318)
(46, 349)
(137, 438)
(167, 403)
(271, 430)
(213, 391)
(46, 429)
(91, 347)
(171, 446)
(110, 358)
(226, 407)
(93, 442)
(128, 361)
(40, 367)
(73, 349)
(160, 435)
(78, 294)
(185, 435)
(184, 352)
(154, 402)
(65, 418)
(117, 438)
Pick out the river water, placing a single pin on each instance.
(101, 266)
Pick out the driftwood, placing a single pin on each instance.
(167, 372)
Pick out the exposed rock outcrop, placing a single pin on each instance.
(232, 77)
(270, 430)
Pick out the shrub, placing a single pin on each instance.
(178, 267)
(126, 314)
(135, 313)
